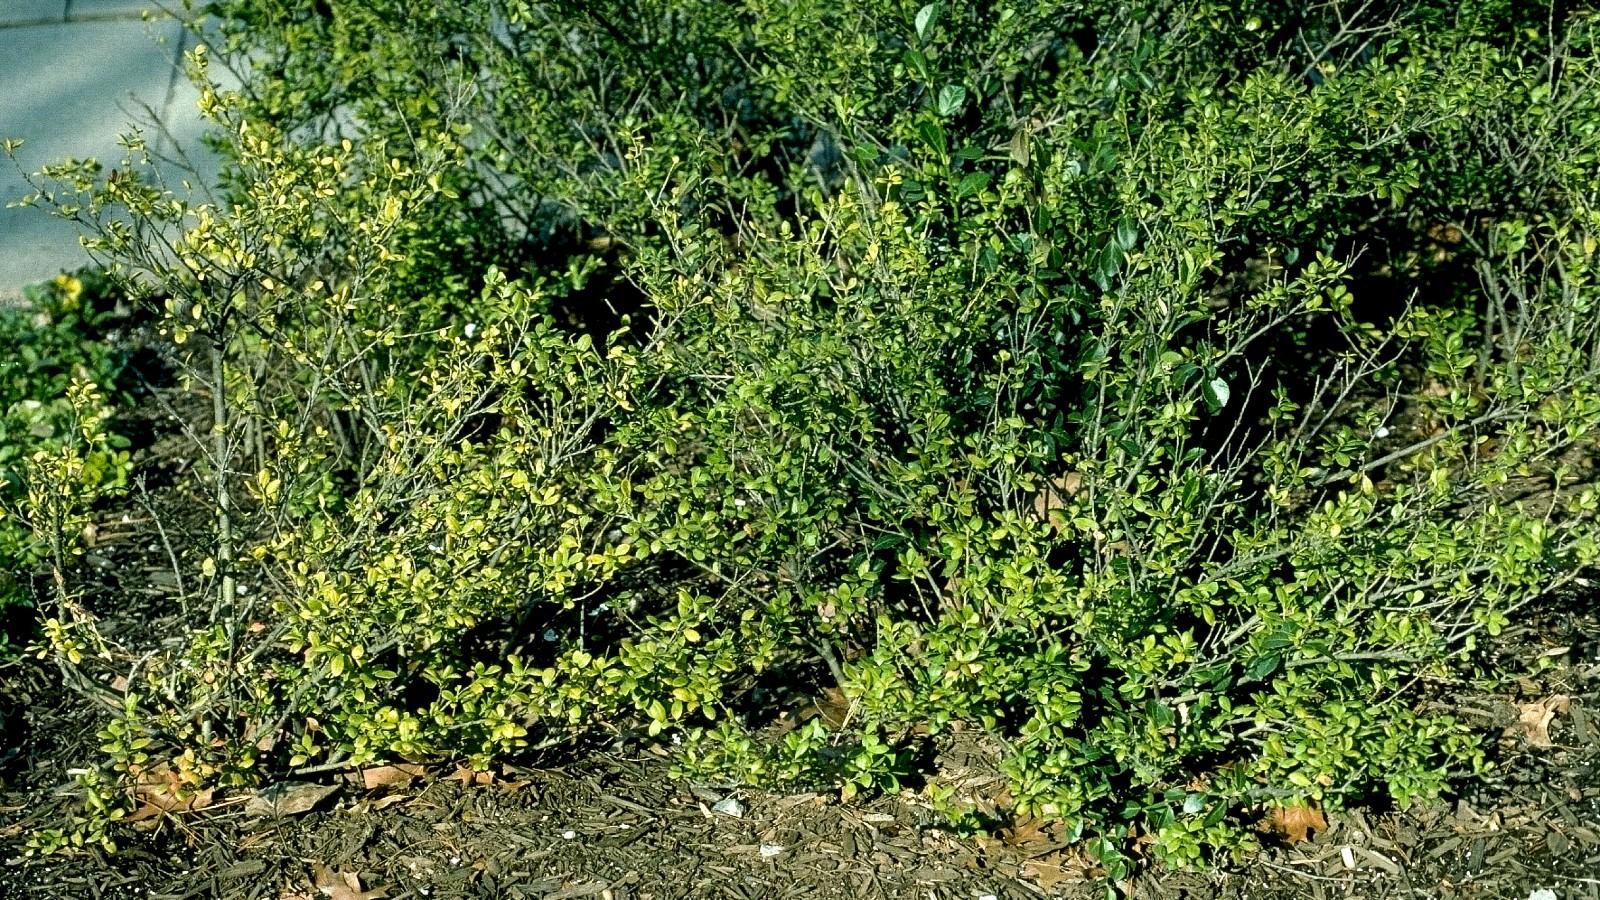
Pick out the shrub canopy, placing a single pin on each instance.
(1174, 392)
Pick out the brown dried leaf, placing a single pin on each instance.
(384, 802)
(155, 801)
(1444, 233)
(1056, 494)
(832, 707)
(391, 776)
(164, 791)
(1294, 824)
(1062, 867)
(1533, 721)
(470, 776)
(289, 798)
(340, 885)
(1026, 832)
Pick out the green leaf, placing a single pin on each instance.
(974, 183)
(926, 17)
(1127, 234)
(1217, 394)
(1263, 667)
(952, 98)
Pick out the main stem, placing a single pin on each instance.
(226, 590)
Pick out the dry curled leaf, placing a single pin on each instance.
(1294, 824)
(469, 776)
(831, 706)
(1056, 494)
(384, 802)
(1533, 719)
(290, 798)
(390, 776)
(163, 791)
(1445, 233)
(340, 885)
(154, 804)
(1061, 867)
(1028, 833)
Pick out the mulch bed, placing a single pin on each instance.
(615, 827)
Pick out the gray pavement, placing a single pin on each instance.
(74, 75)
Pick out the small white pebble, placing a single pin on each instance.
(471, 329)
(987, 897)
(1382, 432)
(568, 835)
(1542, 894)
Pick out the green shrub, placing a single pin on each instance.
(1178, 397)
(52, 407)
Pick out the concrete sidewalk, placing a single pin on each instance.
(75, 74)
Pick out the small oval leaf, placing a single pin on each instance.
(1217, 394)
(925, 19)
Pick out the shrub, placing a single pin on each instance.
(1179, 398)
(56, 457)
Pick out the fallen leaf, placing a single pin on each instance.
(1445, 233)
(1294, 823)
(289, 798)
(163, 791)
(1026, 832)
(390, 776)
(1534, 719)
(469, 776)
(1141, 839)
(1056, 494)
(340, 885)
(155, 802)
(384, 802)
(1064, 867)
(831, 706)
